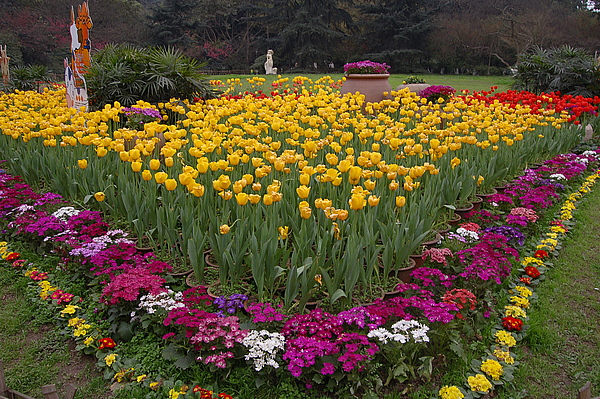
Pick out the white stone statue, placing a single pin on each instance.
(269, 69)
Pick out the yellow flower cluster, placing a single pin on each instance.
(479, 383)
(523, 291)
(451, 392)
(492, 368)
(46, 289)
(505, 338)
(514, 311)
(504, 356)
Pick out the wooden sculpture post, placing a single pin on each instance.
(4, 65)
(80, 57)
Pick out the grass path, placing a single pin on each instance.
(34, 352)
(562, 348)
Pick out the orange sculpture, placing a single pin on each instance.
(80, 57)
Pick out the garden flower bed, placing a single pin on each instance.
(279, 243)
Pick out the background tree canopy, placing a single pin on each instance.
(447, 36)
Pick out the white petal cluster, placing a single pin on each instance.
(263, 346)
(470, 236)
(402, 332)
(65, 213)
(558, 177)
(167, 300)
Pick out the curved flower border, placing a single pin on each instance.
(496, 366)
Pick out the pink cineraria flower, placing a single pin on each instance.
(438, 255)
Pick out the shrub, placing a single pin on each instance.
(126, 73)
(28, 77)
(564, 69)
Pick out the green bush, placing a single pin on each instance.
(565, 69)
(126, 73)
(30, 77)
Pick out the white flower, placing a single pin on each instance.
(263, 347)
(470, 236)
(65, 213)
(558, 176)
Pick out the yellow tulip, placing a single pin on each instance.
(342, 214)
(355, 172)
(304, 179)
(99, 196)
(256, 186)
(455, 162)
(283, 232)
(154, 164)
(101, 151)
(136, 166)
(400, 201)
(224, 229)
(169, 161)
(146, 175)
(241, 198)
(198, 190)
(124, 155)
(305, 212)
(82, 163)
(160, 177)
(393, 186)
(357, 202)
(303, 191)
(254, 198)
(370, 184)
(185, 179)
(267, 199)
(226, 194)
(373, 200)
(170, 184)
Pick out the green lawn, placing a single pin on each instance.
(459, 82)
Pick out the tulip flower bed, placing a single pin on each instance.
(299, 193)
(388, 342)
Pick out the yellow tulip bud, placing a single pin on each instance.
(342, 214)
(305, 212)
(170, 184)
(160, 177)
(99, 196)
(101, 151)
(198, 190)
(185, 179)
(283, 232)
(241, 198)
(169, 161)
(254, 198)
(136, 166)
(373, 200)
(303, 191)
(357, 202)
(154, 164)
(226, 194)
(400, 201)
(370, 184)
(124, 155)
(355, 172)
(304, 179)
(267, 199)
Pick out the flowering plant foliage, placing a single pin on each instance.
(366, 67)
(437, 93)
(413, 80)
(137, 117)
